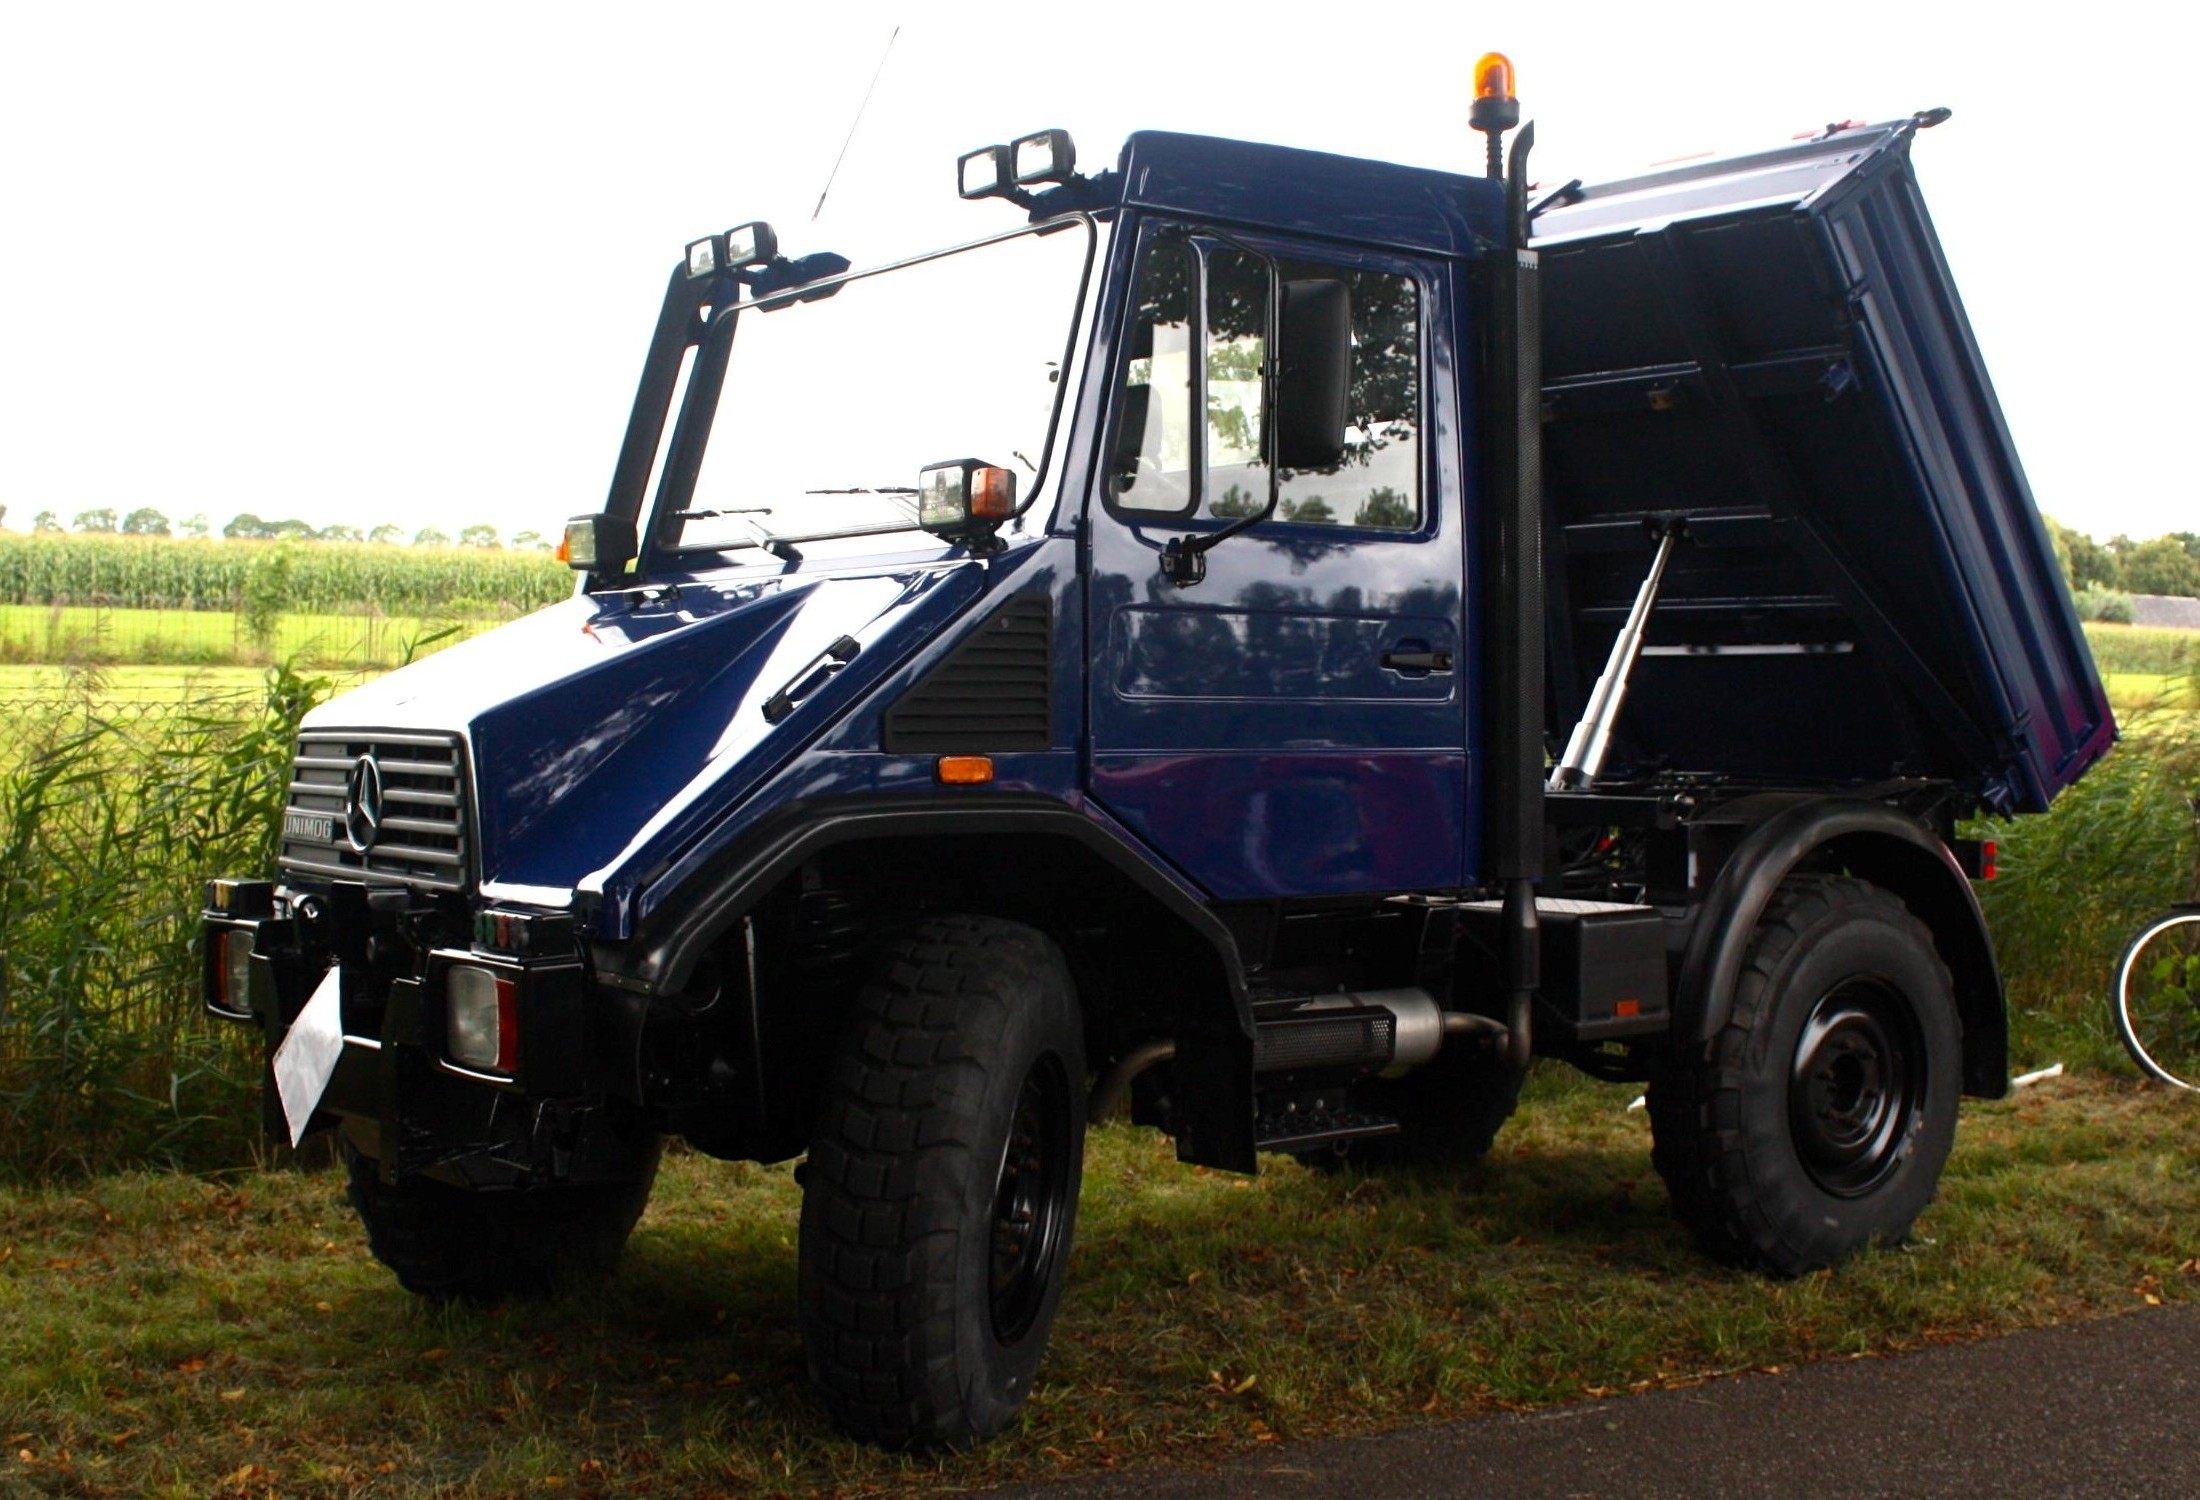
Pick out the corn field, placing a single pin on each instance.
(317, 577)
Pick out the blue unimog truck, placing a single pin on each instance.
(1271, 643)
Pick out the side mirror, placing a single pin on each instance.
(599, 544)
(1313, 374)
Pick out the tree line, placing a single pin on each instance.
(104, 520)
(2166, 565)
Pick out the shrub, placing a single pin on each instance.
(109, 823)
(2103, 605)
(2075, 881)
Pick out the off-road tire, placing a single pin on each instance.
(1817, 1120)
(484, 1245)
(966, 1041)
(1448, 1113)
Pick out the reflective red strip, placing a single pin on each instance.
(507, 1025)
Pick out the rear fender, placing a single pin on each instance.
(1894, 852)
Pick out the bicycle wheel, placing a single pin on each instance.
(2158, 998)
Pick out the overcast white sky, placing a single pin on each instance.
(399, 262)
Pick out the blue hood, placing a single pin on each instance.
(605, 730)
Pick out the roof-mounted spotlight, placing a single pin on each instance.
(750, 245)
(1041, 157)
(705, 256)
(984, 173)
(742, 248)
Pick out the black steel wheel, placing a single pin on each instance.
(940, 1196)
(1817, 1120)
(2158, 998)
(1032, 1201)
(1856, 1086)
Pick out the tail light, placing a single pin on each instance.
(233, 971)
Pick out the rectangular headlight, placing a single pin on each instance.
(943, 496)
(481, 1008)
(600, 543)
(983, 172)
(751, 245)
(953, 496)
(1043, 156)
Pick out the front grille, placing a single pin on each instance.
(420, 838)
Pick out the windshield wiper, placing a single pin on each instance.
(705, 515)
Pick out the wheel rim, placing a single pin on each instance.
(1030, 1200)
(2158, 999)
(1857, 1087)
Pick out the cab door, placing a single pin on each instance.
(1294, 724)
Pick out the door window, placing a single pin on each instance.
(1165, 464)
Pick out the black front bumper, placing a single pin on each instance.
(395, 1094)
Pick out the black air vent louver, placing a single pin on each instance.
(994, 692)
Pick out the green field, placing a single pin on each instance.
(2135, 692)
(2147, 649)
(82, 634)
(310, 577)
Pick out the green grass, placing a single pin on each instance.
(161, 1335)
(82, 634)
(2140, 692)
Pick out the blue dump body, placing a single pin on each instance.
(1772, 347)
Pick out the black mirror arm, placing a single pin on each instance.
(1184, 560)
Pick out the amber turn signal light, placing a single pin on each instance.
(965, 770)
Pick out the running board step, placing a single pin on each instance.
(1295, 1132)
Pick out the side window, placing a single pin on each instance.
(1376, 485)
(1153, 438)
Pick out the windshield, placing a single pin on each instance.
(831, 407)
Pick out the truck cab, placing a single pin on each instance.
(1125, 664)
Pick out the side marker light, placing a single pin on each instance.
(965, 770)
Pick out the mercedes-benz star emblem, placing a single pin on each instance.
(363, 803)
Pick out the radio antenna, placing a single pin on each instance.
(852, 124)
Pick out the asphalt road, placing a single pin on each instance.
(2104, 1408)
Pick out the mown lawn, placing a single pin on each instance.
(162, 1334)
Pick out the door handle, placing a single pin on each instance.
(812, 677)
(1417, 661)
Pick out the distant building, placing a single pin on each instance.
(2169, 610)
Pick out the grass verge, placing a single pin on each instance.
(161, 1335)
